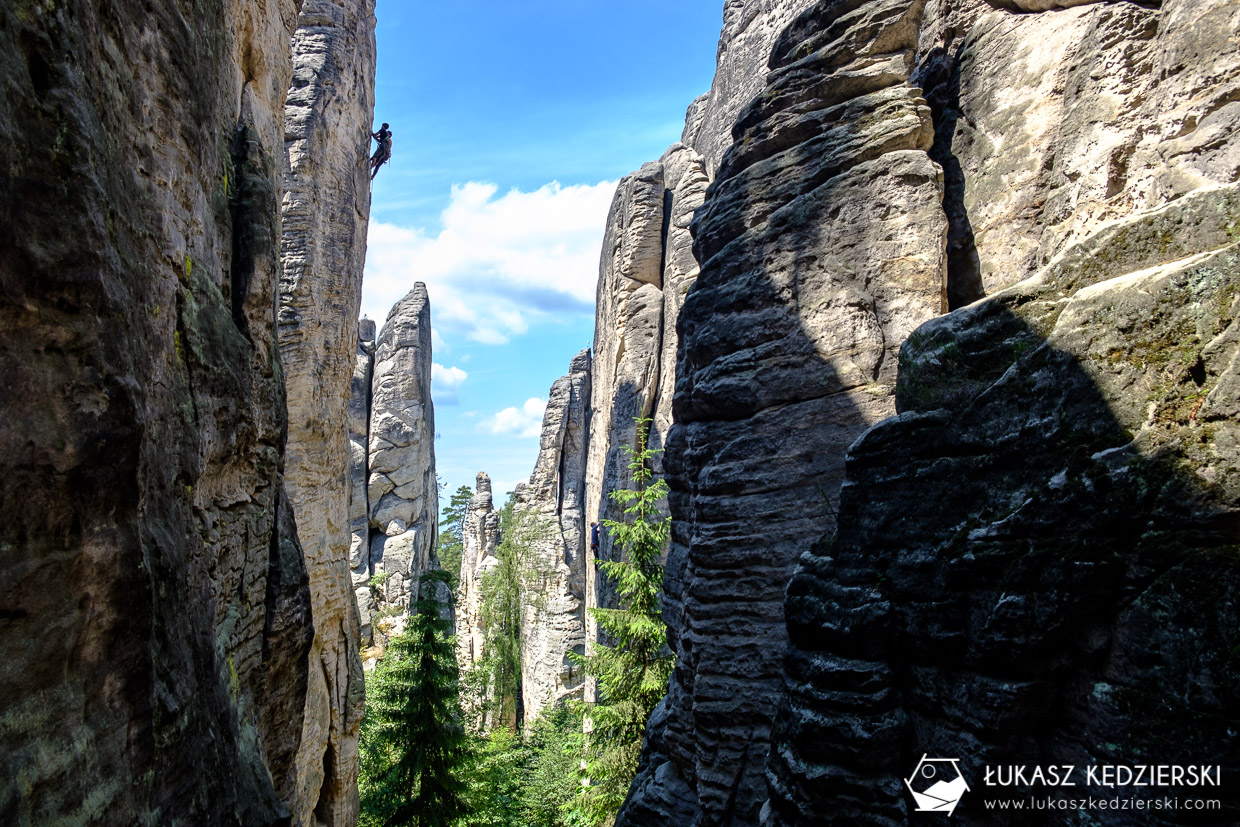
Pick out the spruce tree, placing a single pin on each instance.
(413, 737)
(633, 669)
(452, 534)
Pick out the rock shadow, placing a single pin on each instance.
(1036, 560)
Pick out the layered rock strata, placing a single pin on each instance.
(323, 247)
(821, 243)
(359, 456)
(155, 612)
(479, 537)
(1065, 590)
(401, 490)
(1072, 443)
(647, 268)
(550, 511)
(749, 30)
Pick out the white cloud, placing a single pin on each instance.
(499, 264)
(525, 421)
(449, 378)
(446, 383)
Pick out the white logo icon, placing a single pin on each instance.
(936, 785)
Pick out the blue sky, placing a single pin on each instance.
(512, 122)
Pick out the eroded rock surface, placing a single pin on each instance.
(155, 613)
(402, 493)
(323, 247)
(647, 268)
(749, 29)
(550, 510)
(1072, 444)
(1070, 441)
(480, 537)
(822, 247)
(359, 463)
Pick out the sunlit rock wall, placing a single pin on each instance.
(402, 492)
(323, 247)
(479, 537)
(821, 244)
(550, 513)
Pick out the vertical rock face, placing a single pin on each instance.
(749, 30)
(402, 493)
(323, 247)
(359, 504)
(822, 246)
(553, 504)
(1035, 560)
(480, 536)
(646, 269)
(154, 607)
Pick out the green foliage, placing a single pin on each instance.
(452, 535)
(527, 781)
(632, 671)
(495, 681)
(413, 746)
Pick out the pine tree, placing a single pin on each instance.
(452, 534)
(412, 737)
(633, 670)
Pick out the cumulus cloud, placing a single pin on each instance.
(445, 384)
(501, 262)
(525, 421)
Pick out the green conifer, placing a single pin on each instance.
(413, 737)
(633, 669)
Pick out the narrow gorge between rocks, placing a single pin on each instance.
(927, 323)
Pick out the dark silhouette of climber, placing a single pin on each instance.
(383, 152)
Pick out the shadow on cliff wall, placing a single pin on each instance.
(1036, 564)
(1014, 579)
(754, 460)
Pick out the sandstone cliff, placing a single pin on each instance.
(821, 244)
(402, 494)
(155, 613)
(1064, 590)
(359, 456)
(479, 538)
(550, 510)
(323, 246)
(1068, 139)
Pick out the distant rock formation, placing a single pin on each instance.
(155, 610)
(402, 494)
(550, 511)
(325, 210)
(479, 537)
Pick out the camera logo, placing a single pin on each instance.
(936, 785)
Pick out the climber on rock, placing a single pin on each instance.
(383, 152)
(594, 539)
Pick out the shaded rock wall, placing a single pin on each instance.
(550, 509)
(402, 494)
(323, 247)
(359, 474)
(155, 614)
(480, 536)
(1070, 441)
(821, 241)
